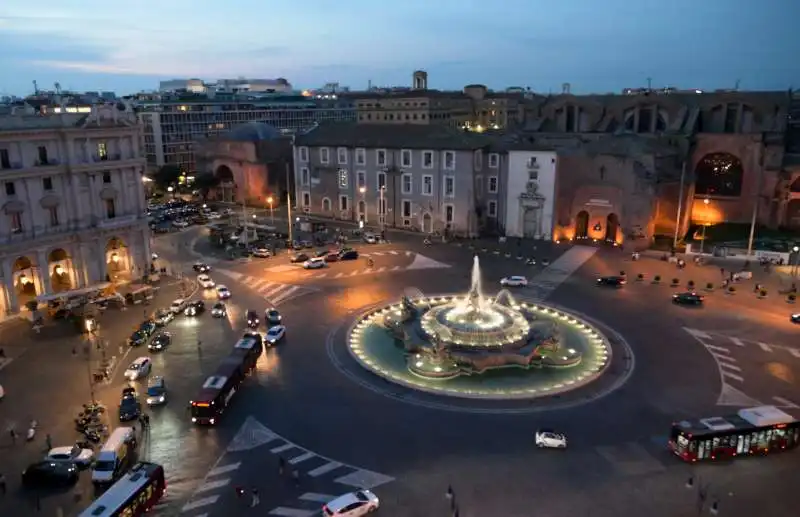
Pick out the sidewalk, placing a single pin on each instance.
(47, 379)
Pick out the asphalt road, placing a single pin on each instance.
(338, 434)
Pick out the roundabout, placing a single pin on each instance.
(478, 353)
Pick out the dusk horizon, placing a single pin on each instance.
(531, 44)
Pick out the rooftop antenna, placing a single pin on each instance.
(35, 88)
(650, 84)
(737, 84)
(565, 88)
(58, 88)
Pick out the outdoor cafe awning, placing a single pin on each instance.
(84, 291)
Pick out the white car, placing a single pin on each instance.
(180, 223)
(223, 293)
(353, 504)
(214, 215)
(262, 253)
(315, 263)
(275, 334)
(177, 306)
(205, 282)
(514, 281)
(370, 238)
(545, 438)
(74, 454)
(154, 256)
(138, 369)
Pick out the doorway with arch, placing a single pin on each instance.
(59, 268)
(612, 227)
(582, 225)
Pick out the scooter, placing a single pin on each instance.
(32, 430)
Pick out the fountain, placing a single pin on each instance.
(472, 336)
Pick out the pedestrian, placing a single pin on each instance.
(296, 477)
(2, 484)
(255, 499)
(2, 353)
(48, 441)
(147, 420)
(281, 465)
(13, 434)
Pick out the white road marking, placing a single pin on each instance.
(212, 485)
(286, 294)
(794, 351)
(732, 376)
(736, 341)
(364, 479)
(274, 290)
(223, 469)
(785, 403)
(284, 447)
(396, 268)
(322, 275)
(339, 275)
(324, 469)
(381, 269)
(394, 253)
(699, 334)
(765, 347)
(354, 273)
(317, 498)
(718, 348)
(724, 357)
(257, 284)
(199, 503)
(409, 253)
(731, 366)
(282, 511)
(301, 458)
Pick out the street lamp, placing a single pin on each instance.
(363, 217)
(382, 210)
(706, 201)
(271, 213)
(90, 325)
(171, 192)
(796, 250)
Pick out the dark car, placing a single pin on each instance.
(332, 257)
(322, 253)
(273, 317)
(252, 319)
(138, 338)
(795, 318)
(201, 267)
(160, 342)
(148, 327)
(612, 281)
(50, 474)
(129, 408)
(219, 310)
(689, 298)
(195, 308)
(348, 254)
(298, 257)
(129, 391)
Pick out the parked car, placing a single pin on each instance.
(50, 474)
(71, 454)
(514, 281)
(195, 308)
(549, 439)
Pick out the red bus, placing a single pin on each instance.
(135, 494)
(249, 348)
(758, 430)
(217, 391)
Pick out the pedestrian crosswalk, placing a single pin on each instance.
(387, 253)
(273, 292)
(546, 282)
(332, 476)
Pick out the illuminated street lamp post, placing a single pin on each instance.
(362, 217)
(271, 213)
(796, 250)
(90, 327)
(382, 210)
(706, 201)
(171, 192)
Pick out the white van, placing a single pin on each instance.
(115, 456)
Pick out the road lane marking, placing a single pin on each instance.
(212, 485)
(317, 498)
(409, 253)
(286, 294)
(283, 511)
(199, 503)
(394, 253)
(324, 469)
(223, 469)
(765, 347)
(339, 275)
(322, 275)
(363, 478)
(301, 458)
(794, 351)
(699, 334)
(732, 376)
(354, 273)
(396, 268)
(724, 357)
(718, 348)
(736, 341)
(731, 366)
(284, 447)
(786, 403)
(381, 269)
(273, 291)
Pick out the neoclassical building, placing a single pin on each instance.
(73, 204)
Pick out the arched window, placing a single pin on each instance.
(719, 174)
(326, 204)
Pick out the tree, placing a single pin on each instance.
(205, 182)
(167, 176)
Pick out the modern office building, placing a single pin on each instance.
(73, 204)
(174, 122)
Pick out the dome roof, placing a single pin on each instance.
(253, 132)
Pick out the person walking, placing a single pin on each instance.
(3, 486)
(255, 500)
(13, 434)
(281, 465)
(296, 477)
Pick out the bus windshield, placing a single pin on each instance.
(104, 466)
(203, 410)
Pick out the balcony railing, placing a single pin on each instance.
(118, 221)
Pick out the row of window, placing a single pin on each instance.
(54, 221)
(405, 210)
(44, 159)
(47, 184)
(448, 158)
(406, 182)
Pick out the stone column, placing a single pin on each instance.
(74, 276)
(43, 273)
(10, 294)
(141, 202)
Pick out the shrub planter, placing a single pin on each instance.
(791, 298)
(731, 290)
(508, 255)
(690, 284)
(762, 293)
(657, 279)
(675, 282)
(639, 277)
(709, 287)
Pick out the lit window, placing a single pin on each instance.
(343, 178)
(493, 184)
